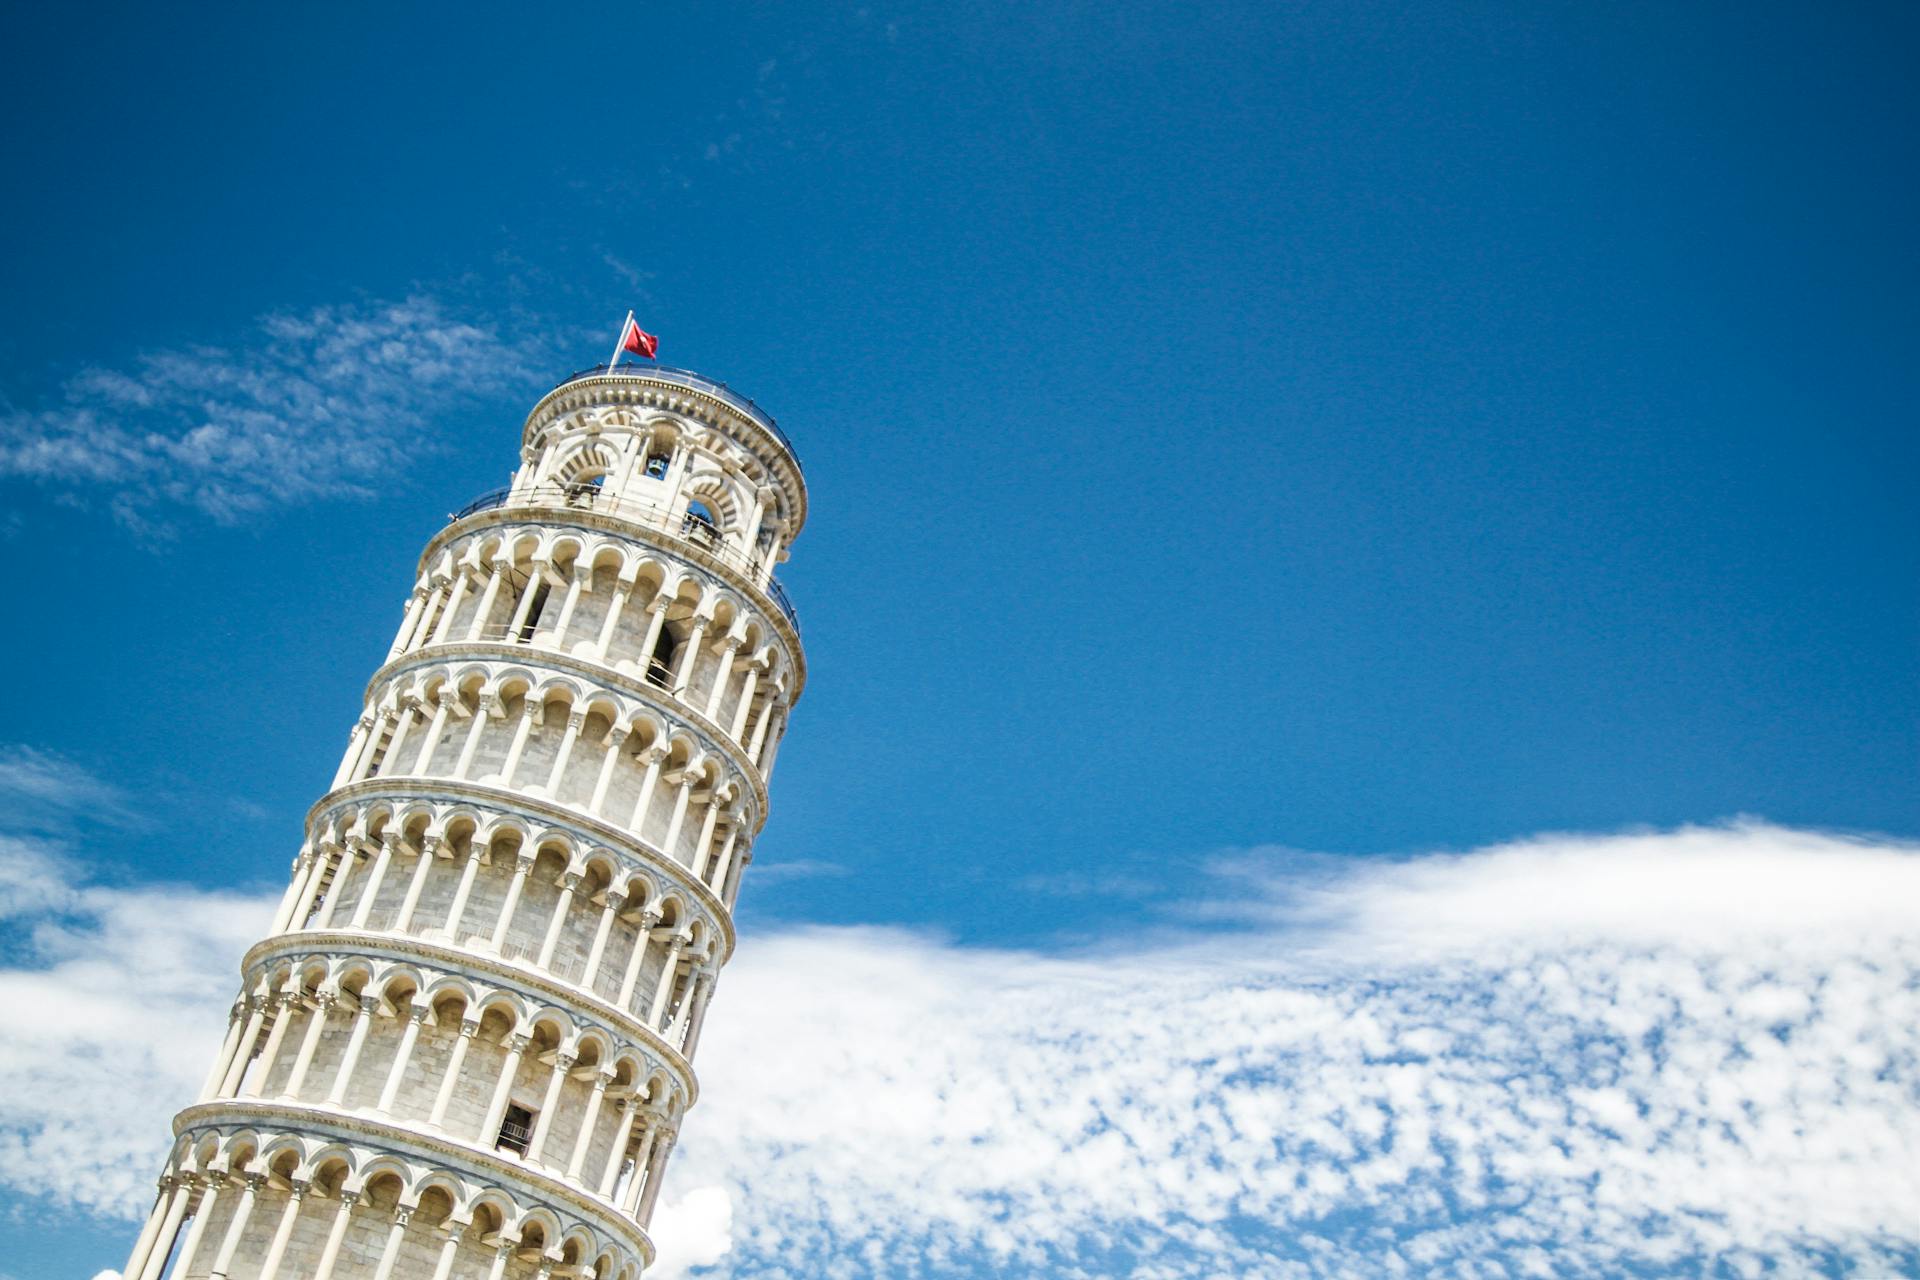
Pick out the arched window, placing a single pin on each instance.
(657, 463)
(700, 524)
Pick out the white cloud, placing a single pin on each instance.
(1654, 1052)
(325, 404)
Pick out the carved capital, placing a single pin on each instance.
(518, 1043)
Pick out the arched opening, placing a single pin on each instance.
(700, 524)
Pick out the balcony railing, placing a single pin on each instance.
(698, 382)
(688, 528)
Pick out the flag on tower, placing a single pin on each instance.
(635, 339)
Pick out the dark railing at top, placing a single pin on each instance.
(689, 528)
(698, 382)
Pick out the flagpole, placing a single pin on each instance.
(620, 343)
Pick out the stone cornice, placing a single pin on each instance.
(710, 734)
(591, 830)
(485, 1165)
(499, 973)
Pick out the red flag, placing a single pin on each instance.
(638, 340)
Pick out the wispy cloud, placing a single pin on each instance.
(39, 788)
(1683, 1051)
(316, 405)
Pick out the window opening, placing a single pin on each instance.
(657, 464)
(534, 611)
(516, 1131)
(700, 525)
(660, 662)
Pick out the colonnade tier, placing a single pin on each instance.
(465, 1048)
(279, 1193)
(396, 1035)
(361, 861)
(548, 576)
(548, 728)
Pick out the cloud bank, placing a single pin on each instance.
(1694, 1051)
(322, 404)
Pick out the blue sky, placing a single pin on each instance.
(1231, 432)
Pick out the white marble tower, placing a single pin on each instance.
(464, 1050)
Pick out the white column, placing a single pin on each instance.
(651, 757)
(717, 881)
(610, 1176)
(391, 1254)
(335, 1235)
(642, 1157)
(430, 847)
(443, 704)
(416, 1017)
(356, 743)
(688, 781)
(502, 1092)
(156, 1263)
(363, 766)
(272, 1048)
(363, 1007)
(501, 1252)
(202, 1215)
(683, 1016)
(302, 865)
(521, 867)
(683, 678)
(543, 1124)
(740, 710)
(622, 591)
(236, 1023)
(409, 709)
(171, 1189)
(316, 1025)
(342, 872)
(612, 742)
(475, 853)
(760, 729)
(589, 977)
(270, 1269)
(258, 1006)
(250, 1184)
(669, 978)
(637, 957)
(576, 719)
(448, 1082)
(703, 843)
(578, 1159)
(416, 609)
(487, 598)
(568, 883)
(363, 910)
(742, 856)
(729, 650)
(691, 1041)
(312, 866)
(448, 1248)
(536, 573)
(657, 618)
(430, 616)
(656, 1176)
(578, 581)
(443, 630)
(531, 712)
(482, 712)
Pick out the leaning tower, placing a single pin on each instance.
(465, 1047)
